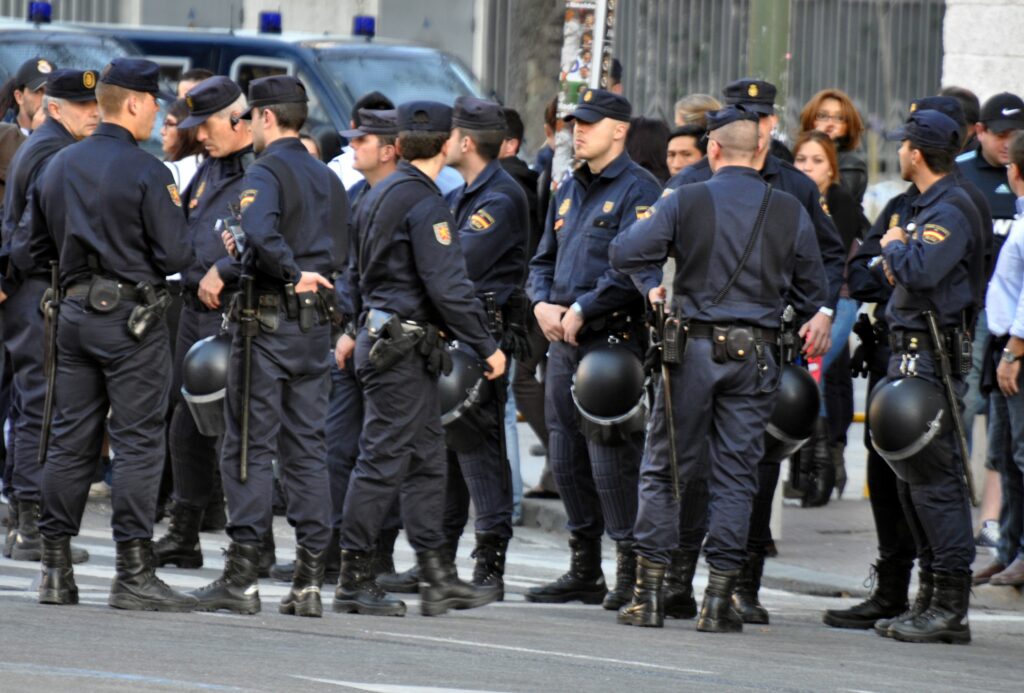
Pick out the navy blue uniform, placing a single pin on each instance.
(409, 264)
(721, 410)
(111, 209)
(991, 182)
(25, 283)
(492, 216)
(291, 226)
(597, 482)
(937, 269)
(217, 182)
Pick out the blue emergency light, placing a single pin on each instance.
(364, 25)
(270, 22)
(40, 12)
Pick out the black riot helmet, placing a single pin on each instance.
(462, 391)
(204, 379)
(906, 418)
(609, 390)
(796, 409)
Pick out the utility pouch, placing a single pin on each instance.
(104, 294)
(268, 312)
(739, 343)
(673, 341)
(719, 351)
(291, 302)
(307, 304)
(386, 352)
(961, 352)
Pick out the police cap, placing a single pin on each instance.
(471, 113)
(756, 95)
(374, 122)
(943, 104)
(208, 97)
(929, 129)
(424, 116)
(1003, 112)
(72, 85)
(135, 74)
(727, 115)
(33, 73)
(269, 91)
(596, 104)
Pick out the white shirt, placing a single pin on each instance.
(184, 170)
(1004, 302)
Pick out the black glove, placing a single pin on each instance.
(859, 366)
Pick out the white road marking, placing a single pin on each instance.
(389, 688)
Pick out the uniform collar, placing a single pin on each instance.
(982, 162)
(52, 127)
(612, 170)
(490, 170)
(745, 171)
(284, 144)
(771, 166)
(935, 192)
(115, 131)
(410, 170)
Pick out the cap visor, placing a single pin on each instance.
(1004, 124)
(165, 96)
(81, 98)
(352, 134)
(758, 108)
(246, 114)
(193, 120)
(898, 135)
(36, 83)
(584, 114)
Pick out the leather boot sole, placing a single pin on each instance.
(351, 606)
(837, 620)
(245, 608)
(566, 597)
(188, 561)
(437, 607)
(614, 601)
(952, 637)
(719, 625)
(309, 606)
(58, 597)
(131, 602)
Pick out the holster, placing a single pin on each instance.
(393, 340)
(268, 312)
(961, 352)
(673, 341)
(152, 306)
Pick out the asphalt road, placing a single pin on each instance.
(512, 646)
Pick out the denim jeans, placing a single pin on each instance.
(512, 447)
(1006, 453)
(842, 326)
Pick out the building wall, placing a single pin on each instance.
(984, 46)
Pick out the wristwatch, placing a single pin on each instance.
(827, 312)
(1010, 357)
(576, 308)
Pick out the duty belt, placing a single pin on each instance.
(190, 297)
(904, 340)
(126, 292)
(706, 330)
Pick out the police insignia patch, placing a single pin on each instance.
(481, 221)
(172, 189)
(564, 207)
(588, 96)
(442, 233)
(644, 212)
(913, 107)
(609, 205)
(89, 79)
(934, 234)
(752, 90)
(194, 202)
(246, 198)
(894, 220)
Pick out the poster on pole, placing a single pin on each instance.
(585, 63)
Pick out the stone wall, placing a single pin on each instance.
(984, 46)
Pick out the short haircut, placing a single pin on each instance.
(514, 128)
(692, 109)
(196, 74)
(237, 106)
(854, 123)
(551, 113)
(938, 160)
(420, 144)
(737, 139)
(827, 145)
(1017, 151)
(697, 132)
(290, 116)
(111, 98)
(374, 101)
(488, 142)
(969, 102)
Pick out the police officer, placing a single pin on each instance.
(27, 88)
(934, 263)
(215, 106)
(741, 248)
(868, 283)
(758, 97)
(579, 302)
(409, 281)
(72, 115)
(493, 219)
(294, 215)
(117, 242)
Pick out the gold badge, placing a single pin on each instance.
(934, 234)
(894, 220)
(609, 205)
(188, 101)
(559, 223)
(588, 96)
(442, 233)
(752, 90)
(481, 221)
(563, 209)
(913, 107)
(644, 212)
(246, 198)
(194, 202)
(89, 79)
(175, 197)
(44, 67)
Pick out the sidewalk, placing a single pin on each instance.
(822, 551)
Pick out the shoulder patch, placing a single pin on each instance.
(608, 206)
(481, 221)
(246, 198)
(442, 233)
(894, 220)
(644, 212)
(172, 190)
(563, 208)
(934, 234)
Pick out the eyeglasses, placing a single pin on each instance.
(169, 124)
(835, 118)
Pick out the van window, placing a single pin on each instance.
(317, 113)
(66, 50)
(247, 68)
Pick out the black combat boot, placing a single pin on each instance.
(406, 582)
(58, 582)
(27, 544)
(332, 558)
(441, 589)
(384, 553)
(647, 608)
(237, 589)
(180, 546)
(820, 478)
(625, 575)
(888, 599)
(268, 555)
(583, 582)
(945, 619)
(678, 589)
(283, 572)
(744, 596)
(716, 613)
(304, 597)
(925, 588)
(136, 586)
(12, 526)
(489, 570)
(358, 592)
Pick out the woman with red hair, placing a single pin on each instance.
(831, 111)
